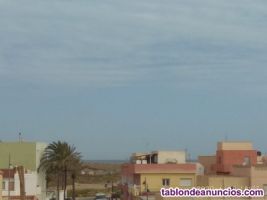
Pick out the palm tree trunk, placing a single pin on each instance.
(73, 186)
(58, 180)
(65, 181)
(62, 179)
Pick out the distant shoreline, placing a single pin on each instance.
(106, 161)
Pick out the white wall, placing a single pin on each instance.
(30, 185)
(41, 180)
(35, 183)
(167, 156)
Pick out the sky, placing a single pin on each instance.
(113, 77)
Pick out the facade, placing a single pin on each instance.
(234, 153)
(257, 175)
(11, 184)
(227, 155)
(209, 163)
(28, 155)
(223, 181)
(237, 165)
(145, 176)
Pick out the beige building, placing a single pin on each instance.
(234, 145)
(257, 175)
(140, 179)
(215, 182)
(147, 173)
(223, 181)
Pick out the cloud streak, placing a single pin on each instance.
(116, 43)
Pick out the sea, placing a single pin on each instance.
(106, 161)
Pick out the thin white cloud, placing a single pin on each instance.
(107, 43)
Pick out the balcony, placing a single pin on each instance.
(159, 168)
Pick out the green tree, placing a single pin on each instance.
(58, 159)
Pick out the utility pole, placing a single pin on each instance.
(9, 176)
(146, 190)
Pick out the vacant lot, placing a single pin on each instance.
(88, 185)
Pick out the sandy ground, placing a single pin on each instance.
(88, 186)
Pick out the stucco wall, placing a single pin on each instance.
(234, 146)
(154, 181)
(21, 153)
(209, 163)
(223, 181)
(241, 171)
(227, 158)
(167, 156)
(41, 181)
(258, 176)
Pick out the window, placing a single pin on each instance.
(11, 185)
(4, 185)
(166, 182)
(246, 160)
(185, 182)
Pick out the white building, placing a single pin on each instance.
(11, 180)
(28, 155)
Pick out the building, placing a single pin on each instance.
(228, 154)
(234, 153)
(11, 184)
(236, 164)
(257, 175)
(28, 155)
(209, 163)
(223, 181)
(149, 172)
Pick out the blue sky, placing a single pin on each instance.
(114, 77)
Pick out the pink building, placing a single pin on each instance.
(227, 155)
(148, 173)
(234, 153)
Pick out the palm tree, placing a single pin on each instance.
(75, 168)
(58, 158)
